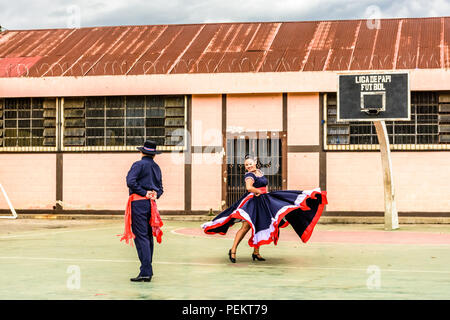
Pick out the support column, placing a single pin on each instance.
(390, 208)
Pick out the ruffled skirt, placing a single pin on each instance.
(271, 211)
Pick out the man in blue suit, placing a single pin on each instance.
(144, 181)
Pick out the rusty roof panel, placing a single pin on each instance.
(149, 63)
(322, 46)
(59, 49)
(214, 52)
(208, 62)
(429, 44)
(244, 35)
(68, 53)
(234, 54)
(227, 47)
(343, 43)
(274, 57)
(408, 45)
(250, 61)
(188, 62)
(364, 46)
(302, 35)
(385, 46)
(263, 37)
(316, 59)
(94, 49)
(16, 67)
(445, 49)
(174, 51)
(121, 56)
(16, 44)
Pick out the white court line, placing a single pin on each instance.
(51, 233)
(362, 269)
(31, 234)
(311, 243)
(108, 260)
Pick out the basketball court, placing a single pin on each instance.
(83, 259)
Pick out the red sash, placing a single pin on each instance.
(262, 189)
(155, 220)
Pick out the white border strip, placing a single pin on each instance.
(14, 216)
(362, 269)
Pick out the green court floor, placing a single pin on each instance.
(84, 259)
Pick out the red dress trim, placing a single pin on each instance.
(274, 234)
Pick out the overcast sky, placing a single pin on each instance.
(39, 14)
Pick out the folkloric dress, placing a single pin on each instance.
(270, 211)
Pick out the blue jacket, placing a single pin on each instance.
(145, 175)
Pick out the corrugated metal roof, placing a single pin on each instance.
(227, 47)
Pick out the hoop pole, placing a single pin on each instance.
(390, 207)
(14, 216)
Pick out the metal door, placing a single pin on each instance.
(266, 146)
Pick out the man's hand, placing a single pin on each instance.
(151, 195)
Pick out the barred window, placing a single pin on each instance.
(429, 127)
(27, 123)
(123, 121)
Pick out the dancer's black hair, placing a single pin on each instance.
(258, 164)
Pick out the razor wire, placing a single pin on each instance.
(224, 65)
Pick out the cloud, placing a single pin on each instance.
(22, 14)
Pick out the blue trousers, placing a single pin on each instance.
(140, 225)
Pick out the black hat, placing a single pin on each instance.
(149, 148)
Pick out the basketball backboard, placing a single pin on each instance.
(373, 96)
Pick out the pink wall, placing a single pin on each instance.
(206, 167)
(303, 119)
(29, 180)
(354, 179)
(96, 181)
(421, 181)
(303, 171)
(202, 83)
(354, 182)
(206, 181)
(207, 120)
(254, 112)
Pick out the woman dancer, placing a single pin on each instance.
(265, 212)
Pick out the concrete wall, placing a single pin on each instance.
(29, 180)
(303, 121)
(303, 170)
(91, 181)
(199, 83)
(354, 181)
(206, 178)
(254, 112)
(97, 180)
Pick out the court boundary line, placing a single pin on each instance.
(363, 269)
(32, 234)
(313, 243)
(36, 233)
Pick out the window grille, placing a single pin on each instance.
(27, 124)
(123, 122)
(444, 118)
(428, 129)
(107, 123)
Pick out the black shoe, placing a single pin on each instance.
(141, 279)
(257, 257)
(231, 258)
